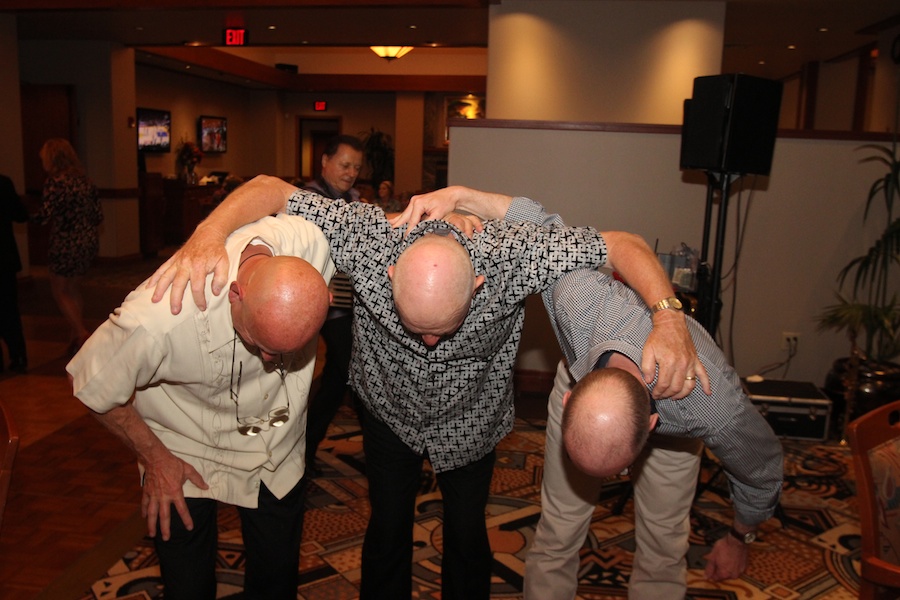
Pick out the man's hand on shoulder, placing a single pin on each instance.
(433, 205)
(203, 253)
(469, 224)
(671, 348)
(440, 203)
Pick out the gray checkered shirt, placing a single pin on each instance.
(593, 314)
(452, 402)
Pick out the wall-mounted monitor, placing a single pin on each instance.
(154, 130)
(212, 133)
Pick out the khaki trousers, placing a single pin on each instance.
(664, 479)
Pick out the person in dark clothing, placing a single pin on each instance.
(341, 163)
(71, 206)
(11, 210)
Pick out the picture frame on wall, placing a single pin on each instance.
(154, 129)
(212, 133)
(469, 106)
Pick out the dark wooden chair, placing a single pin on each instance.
(9, 445)
(875, 441)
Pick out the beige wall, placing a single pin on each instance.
(250, 132)
(834, 109)
(885, 88)
(409, 142)
(626, 62)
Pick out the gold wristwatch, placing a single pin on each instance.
(672, 302)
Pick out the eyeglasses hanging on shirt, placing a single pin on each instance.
(276, 417)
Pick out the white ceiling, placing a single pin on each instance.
(755, 30)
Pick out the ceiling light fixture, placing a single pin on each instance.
(391, 52)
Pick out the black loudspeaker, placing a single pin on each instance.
(730, 124)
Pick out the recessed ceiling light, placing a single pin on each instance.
(762, 62)
(272, 27)
(791, 47)
(823, 30)
(413, 26)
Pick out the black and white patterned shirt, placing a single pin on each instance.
(454, 401)
(592, 314)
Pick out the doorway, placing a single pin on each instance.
(48, 111)
(314, 136)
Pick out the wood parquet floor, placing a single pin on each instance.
(73, 483)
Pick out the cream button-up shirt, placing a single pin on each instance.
(179, 369)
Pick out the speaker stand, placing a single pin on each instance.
(709, 284)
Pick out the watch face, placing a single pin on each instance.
(665, 303)
(747, 538)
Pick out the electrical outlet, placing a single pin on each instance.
(789, 340)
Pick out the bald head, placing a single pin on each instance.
(433, 283)
(606, 421)
(280, 305)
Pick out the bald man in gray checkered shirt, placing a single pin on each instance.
(602, 326)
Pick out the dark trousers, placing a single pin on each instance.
(11, 320)
(271, 535)
(338, 336)
(395, 473)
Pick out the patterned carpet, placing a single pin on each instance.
(815, 556)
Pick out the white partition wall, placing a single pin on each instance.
(802, 224)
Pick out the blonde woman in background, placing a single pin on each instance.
(71, 206)
(386, 199)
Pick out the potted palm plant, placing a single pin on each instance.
(379, 152)
(868, 377)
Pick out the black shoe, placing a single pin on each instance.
(19, 366)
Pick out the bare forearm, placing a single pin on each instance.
(261, 196)
(486, 205)
(126, 424)
(632, 258)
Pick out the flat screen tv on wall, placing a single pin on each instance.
(154, 130)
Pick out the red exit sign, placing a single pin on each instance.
(235, 37)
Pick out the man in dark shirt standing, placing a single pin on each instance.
(341, 163)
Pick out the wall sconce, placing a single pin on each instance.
(391, 52)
